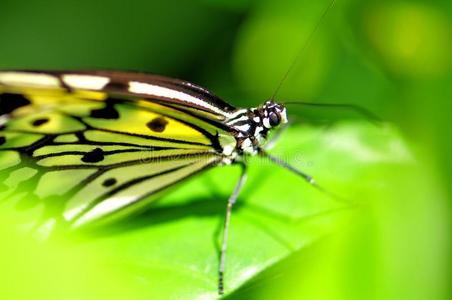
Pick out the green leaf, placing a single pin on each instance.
(171, 251)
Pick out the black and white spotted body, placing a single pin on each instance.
(252, 125)
(91, 125)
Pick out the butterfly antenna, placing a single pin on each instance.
(367, 114)
(302, 49)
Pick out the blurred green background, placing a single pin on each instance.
(392, 57)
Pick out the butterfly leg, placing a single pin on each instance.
(308, 178)
(227, 221)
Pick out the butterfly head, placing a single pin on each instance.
(253, 125)
(273, 114)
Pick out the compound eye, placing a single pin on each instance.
(274, 119)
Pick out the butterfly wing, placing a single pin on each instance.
(105, 143)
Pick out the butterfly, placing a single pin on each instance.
(109, 143)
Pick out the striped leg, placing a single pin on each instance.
(227, 221)
(308, 178)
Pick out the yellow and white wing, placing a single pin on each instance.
(100, 145)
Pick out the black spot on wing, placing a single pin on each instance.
(157, 124)
(2, 140)
(108, 112)
(11, 102)
(39, 122)
(109, 182)
(93, 156)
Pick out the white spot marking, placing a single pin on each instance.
(266, 123)
(29, 79)
(258, 131)
(159, 91)
(245, 127)
(246, 144)
(226, 161)
(228, 149)
(88, 82)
